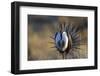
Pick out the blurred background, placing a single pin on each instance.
(41, 28)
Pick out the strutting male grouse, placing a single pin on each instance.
(66, 39)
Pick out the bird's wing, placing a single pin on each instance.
(57, 39)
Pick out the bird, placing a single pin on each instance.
(66, 39)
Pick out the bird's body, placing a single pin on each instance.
(65, 40)
(61, 40)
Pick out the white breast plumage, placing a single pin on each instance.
(65, 39)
